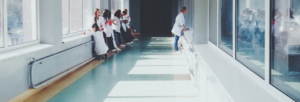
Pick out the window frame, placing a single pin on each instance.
(266, 82)
(70, 23)
(4, 26)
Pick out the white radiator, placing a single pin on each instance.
(47, 69)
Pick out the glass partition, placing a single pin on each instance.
(250, 35)
(226, 24)
(285, 46)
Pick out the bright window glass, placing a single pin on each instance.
(88, 14)
(20, 22)
(285, 46)
(76, 15)
(1, 34)
(65, 17)
(250, 35)
(226, 25)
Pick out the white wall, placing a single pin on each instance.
(14, 68)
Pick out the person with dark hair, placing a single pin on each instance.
(98, 21)
(107, 22)
(100, 46)
(125, 31)
(128, 25)
(117, 27)
(179, 27)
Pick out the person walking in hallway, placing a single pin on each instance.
(179, 27)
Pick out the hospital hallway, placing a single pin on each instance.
(145, 72)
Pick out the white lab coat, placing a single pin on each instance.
(117, 27)
(109, 31)
(129, 20)
(178, 26)
(100, 46)
(124, 25)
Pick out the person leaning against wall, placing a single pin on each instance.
(179, 27)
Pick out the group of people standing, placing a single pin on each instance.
(110, 34)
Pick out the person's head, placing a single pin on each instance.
(105, 14)
(108, 14)
(124, 13)
(183, 10)
(97, 13)
(118, 13)
(95, 27)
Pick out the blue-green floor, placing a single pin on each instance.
(145, 72)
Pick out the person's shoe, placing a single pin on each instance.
(135, 40)
(122, 45)
(118, 49)
(177, 52)
(114, 50)
(128, 44)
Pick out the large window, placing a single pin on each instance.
(65, 17)
(213, 21)
(250, 34)
(226, 24)
(72, 16)
(285, 46)
(21, 22)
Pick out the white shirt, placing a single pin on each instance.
(100, 22)
(179, 22)
(117, 27)
(124, 24)
(107, 28)
(129, 20)
(100, 46)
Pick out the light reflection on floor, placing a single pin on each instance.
(138, 74)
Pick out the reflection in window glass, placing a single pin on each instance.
(226, 25)
(115, 5)
(19, 22)
(1, 35)
(250, 34)
(76, 15)
(88, 14)
(213, 18)
(285, 46)
(65, 17)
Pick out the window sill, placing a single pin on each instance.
(238, 86)
(23, 51)
(74, 38)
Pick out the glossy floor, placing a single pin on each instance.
(147, 72)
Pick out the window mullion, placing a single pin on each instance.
(4, 26)
(69, 17)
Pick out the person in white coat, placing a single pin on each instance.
(107, 23)
(117, 27)
(129, 26)
(100, 46)
(179, 27)
(98, 21)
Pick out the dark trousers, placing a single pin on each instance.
(104, 36)
(110, 43)
(117, 37)
(125, 35)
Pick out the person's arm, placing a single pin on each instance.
(182, 21)
(184, 29)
